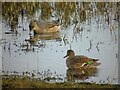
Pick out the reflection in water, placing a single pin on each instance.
(52, 36)
(34, 41)
(81, 73)
(88, 28)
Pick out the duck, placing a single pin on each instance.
(44, 27)
(79, 61)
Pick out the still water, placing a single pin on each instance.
(93, 39)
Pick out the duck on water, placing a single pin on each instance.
(44, 27)
(79, 61)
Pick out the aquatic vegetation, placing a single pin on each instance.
(26, 82)
(44, 76)
(67, 12)
(48, 79)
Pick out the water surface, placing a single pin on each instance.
(95, 38)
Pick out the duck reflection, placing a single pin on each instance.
(80, 73)
(39, 41)
(34, 39)
(44, 31)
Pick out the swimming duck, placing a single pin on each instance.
(44, 27)
(79, 61)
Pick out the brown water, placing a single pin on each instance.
(91, 38)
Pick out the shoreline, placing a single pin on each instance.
(13, 81)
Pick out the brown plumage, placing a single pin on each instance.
(79, 61)
(44, 28)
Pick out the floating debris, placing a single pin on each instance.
(8, 32)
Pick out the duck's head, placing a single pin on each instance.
(70, 53)
(33, 25)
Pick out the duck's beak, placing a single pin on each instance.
(65, 56)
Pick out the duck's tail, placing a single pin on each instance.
(95, 62)
(95, 59)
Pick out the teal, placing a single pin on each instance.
(79, 61)
(44, 27)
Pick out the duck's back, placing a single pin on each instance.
(48, 27)
(79, 61)
(75, 60)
